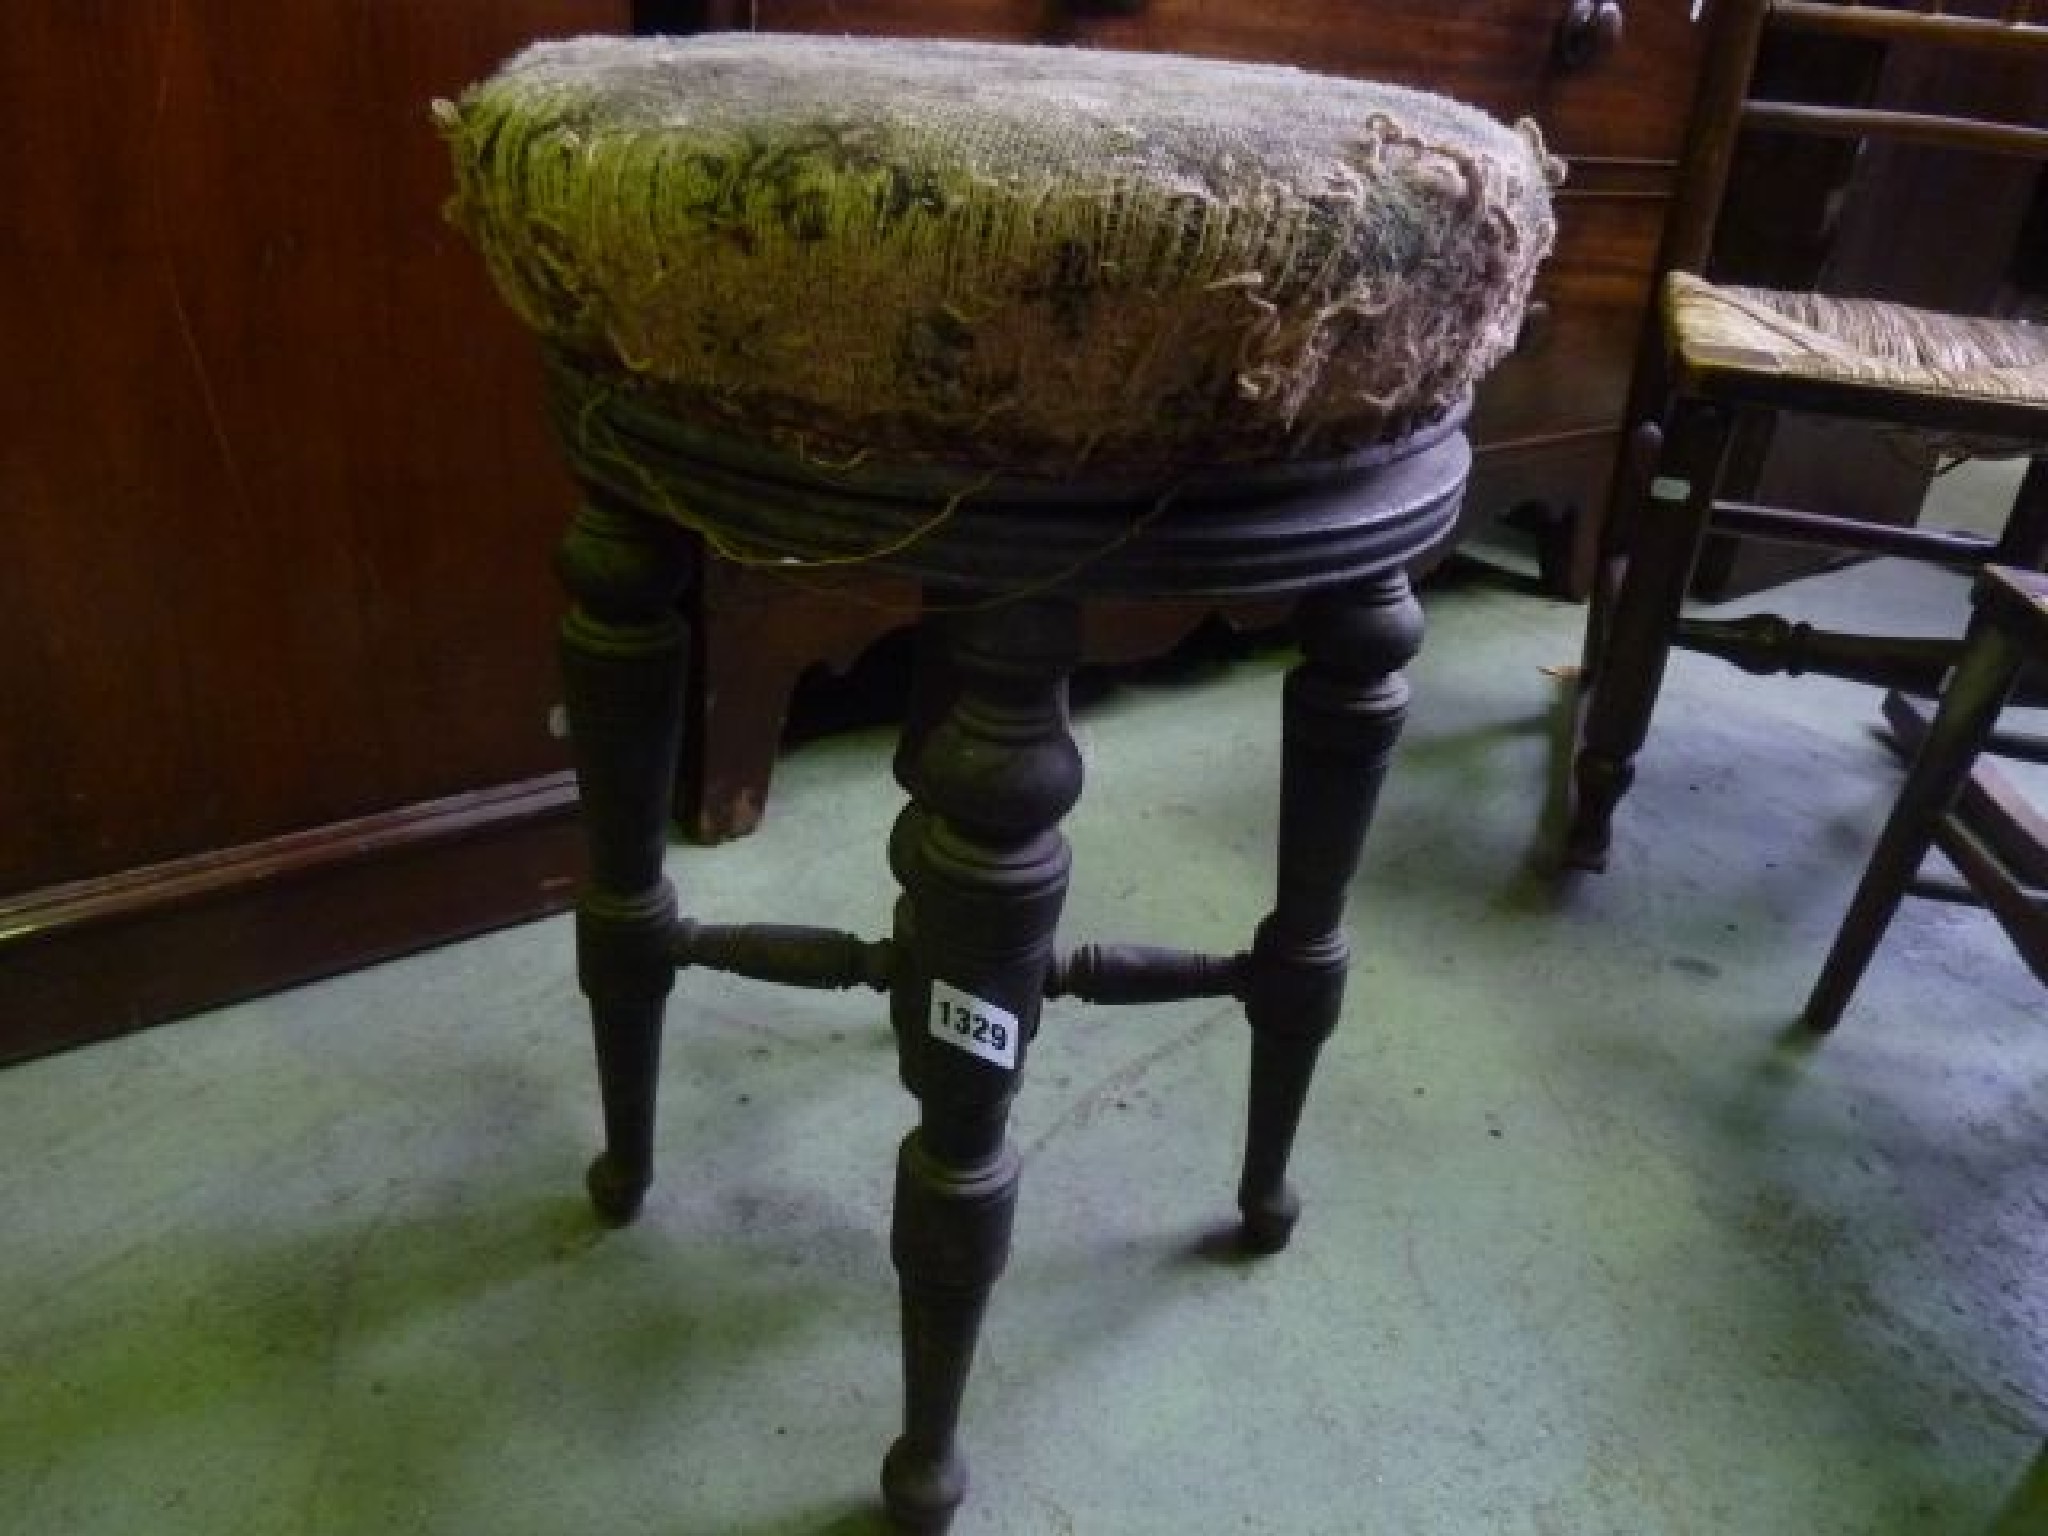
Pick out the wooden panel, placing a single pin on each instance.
(1879, 219)
(1547, 487)
(278, 506)
(276, 611)
(1497, 54)
(1571, 371)
(101, 957)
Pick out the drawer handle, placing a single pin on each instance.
(1106, 7)
(1590, 30)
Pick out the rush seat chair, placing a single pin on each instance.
(1971, 383)
(2008, 633)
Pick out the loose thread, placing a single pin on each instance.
(601, 447)
(1093, 557)
(598, 445)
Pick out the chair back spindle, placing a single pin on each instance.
(1741, 28)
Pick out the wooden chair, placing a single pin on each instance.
(1726, 355)
(1025, 327)
(2008, 632)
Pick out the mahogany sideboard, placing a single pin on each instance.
(1611, 85)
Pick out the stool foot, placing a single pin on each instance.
(626, 972)
(622, 682)
(1345, 706)
(1293, 1007)
(951, 1242)
(1269, 1218)
(922, 1494)
(615, 1190)
(984, 874)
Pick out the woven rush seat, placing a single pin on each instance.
(1855, 341)
(1033, 258)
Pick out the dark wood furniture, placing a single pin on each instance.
(276, 696)
(1731, 355)
(1610, 85)
(778, 195)
(990, 771)
(2008, 632)
(1839, 216)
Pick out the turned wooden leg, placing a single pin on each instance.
(1663, 543)
(622, 670)
(931, 696)
(1632, 476)
(1969, 710)
(1343, 712)
(984, 873)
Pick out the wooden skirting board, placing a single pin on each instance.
(98, 958)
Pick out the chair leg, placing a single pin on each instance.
(1345, 705)
(984, 873)
(2024, 540)
(1663, 543)
(1969, 709)
(1610, 559)
(622, 650)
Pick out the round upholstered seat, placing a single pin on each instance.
(1043, 260)
(1029, 327)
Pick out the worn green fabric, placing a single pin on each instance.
(1035, 257)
